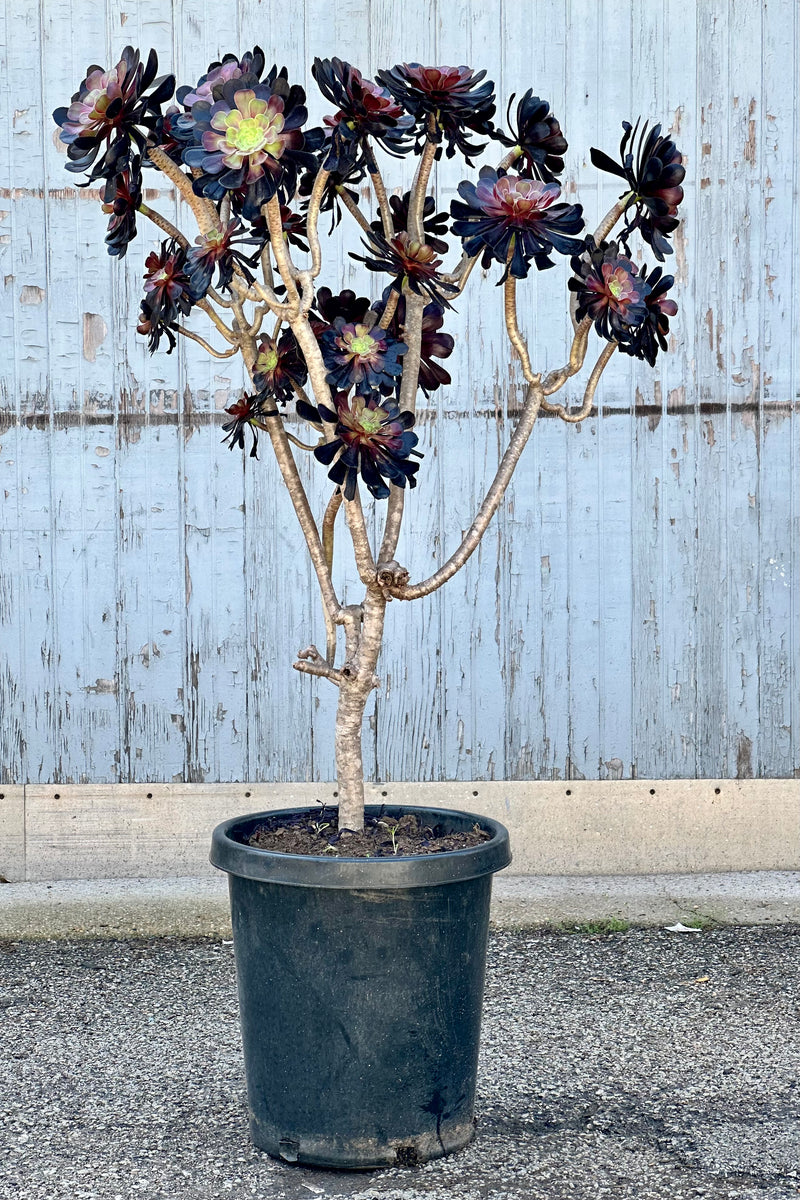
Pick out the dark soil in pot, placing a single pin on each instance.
(383, 836)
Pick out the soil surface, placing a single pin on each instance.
(383, 837)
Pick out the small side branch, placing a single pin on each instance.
(580, 414)
(195, 337)
(554, 380)
(164, 225)
(381, 196)
(610, 219)
(227, 333)
(311, 662)
(489, 506)
(353, 209)
(205, 222)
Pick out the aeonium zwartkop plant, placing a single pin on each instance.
(237, 147)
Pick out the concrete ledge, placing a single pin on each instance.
(192, 907)
(572, 827)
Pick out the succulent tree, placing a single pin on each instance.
(237, 149)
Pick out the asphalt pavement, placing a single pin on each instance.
(639, 1065)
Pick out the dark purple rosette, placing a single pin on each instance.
(251, 138)
(218, 251)
(372, 438)
(122, 197)
(610, 291)
(361, 357)
(434, 224)
(248, 69)
(515, 220)
(114, 113)
(652, 169)
(411, 263)
(168, 294)
(364, 110)
(445, 102)
(537, 134)
(645, 340)
(248, 414)
(279, 367)
(434, 344)
(330, 305)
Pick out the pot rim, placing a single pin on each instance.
(403, 871)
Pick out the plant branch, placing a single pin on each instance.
(353, 209)
(328, 533)
(205, 222)
(312, 221)
(591, 388)
(202, 342)
(227, 333)
(610, 219)
(311, 662)
(419, 191)
(389, 310)
(512, 328)
(163, 224)
(489, 506)
(384, 208)
(554, 380)
(288, 272)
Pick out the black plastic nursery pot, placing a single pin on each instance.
(360, 991)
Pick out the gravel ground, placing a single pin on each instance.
(643, 1065)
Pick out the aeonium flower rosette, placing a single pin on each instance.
(434, 224)
(516, 221)
(364, 110)
(645, 340)
(249, 68)
(362, 357)
(652, 168)
(279, 367)
(113, 112)
(250, 137)
(218, 251)
(168, 294)
(610, 291)
(433, 343)
(247, 415)
(537, 136)
(122, 197)
(372, 438)
(445, 102)
(411, 263)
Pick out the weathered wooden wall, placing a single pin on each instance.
(633, 611)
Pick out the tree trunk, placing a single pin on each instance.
(354, 691)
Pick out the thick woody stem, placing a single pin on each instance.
(358, 680)
(328, 533)
(205, 222)
(591, 387)
(381, 196)
(297, 494)
(312, 221)
(489, 506)
(286, 267)
(390, 310)
(610, 219)
(412, 335)
(510, 158)
(354, 210)
(419, 191)
(512, 328)
(163, 224)
(356, 524)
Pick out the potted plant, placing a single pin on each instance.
(360, 934)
